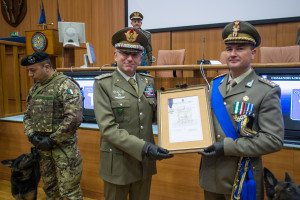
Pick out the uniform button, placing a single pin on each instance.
(253, 168)
(121, 104)
(225, 103)
(110, 149)
(139, 100)
(141, 113)
(218, 136)
(142, 127)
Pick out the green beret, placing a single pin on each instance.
(136, 15)
(36, 57)
(129, 39)
(241, 32)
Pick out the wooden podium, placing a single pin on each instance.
(45, 40)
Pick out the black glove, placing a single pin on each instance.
(217, 149)
(45, 144)
(153, 152)
(35, 140)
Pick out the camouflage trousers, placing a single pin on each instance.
(61, 170)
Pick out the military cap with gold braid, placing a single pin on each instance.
(136, 15)
(241, 32)
(130, 40)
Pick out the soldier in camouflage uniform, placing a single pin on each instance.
(136, 22)
(52, 116)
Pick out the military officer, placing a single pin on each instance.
(136, 22)
(124, 108)
(247, 120)
(52, 116)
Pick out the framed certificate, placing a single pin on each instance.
(184, 119)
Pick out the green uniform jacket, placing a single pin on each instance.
(148, 55)
(125, 122)
(217, 174)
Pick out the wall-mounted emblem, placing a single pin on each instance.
(39, 41)
(14, 11)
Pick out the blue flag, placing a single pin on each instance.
(42, 16)
(58, 15)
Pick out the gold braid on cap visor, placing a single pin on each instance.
(240, 37)
(129, 46)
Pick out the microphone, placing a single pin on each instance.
(203, 61)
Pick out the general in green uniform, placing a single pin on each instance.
(52, 116)
(250, 126)
(125, 106)
(136, 22)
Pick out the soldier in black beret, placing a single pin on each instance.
(136, 22)
(125, 107)
(247, 119)
(52, 116)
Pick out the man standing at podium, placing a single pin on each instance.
(136, 22)
(247, 122)
(52, 116)
(125, 107)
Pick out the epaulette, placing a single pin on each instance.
(266, 81)
(102, 76)
(220, 75)
(145, 74)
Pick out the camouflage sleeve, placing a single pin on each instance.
(72, 103)
(28, 129)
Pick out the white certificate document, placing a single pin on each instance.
(184, 119)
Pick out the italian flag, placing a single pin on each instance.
(70, 91)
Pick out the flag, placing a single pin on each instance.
(42, 16)
(58, 15)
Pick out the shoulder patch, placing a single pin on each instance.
(102, 76)
(266, 81)
(145, 74)
(220, 75)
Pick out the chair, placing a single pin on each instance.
(170, 57)
(298, 36)
(280, 54)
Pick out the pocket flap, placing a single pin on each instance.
(120, 104)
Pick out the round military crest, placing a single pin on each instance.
(39, 41)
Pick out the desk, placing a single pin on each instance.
(177, 178)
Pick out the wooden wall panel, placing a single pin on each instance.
(108, 17)
(160, 41)
(176, 178)
(192, 41)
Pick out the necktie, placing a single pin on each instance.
(132, 83)
(231, 84)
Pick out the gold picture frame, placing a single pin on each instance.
(184, 119)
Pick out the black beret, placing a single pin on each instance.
(136, 15)
(130, 39)
(241, 32)
(36, 57)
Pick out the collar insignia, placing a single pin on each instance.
(131, 35)
(236, 29)
(249, 84)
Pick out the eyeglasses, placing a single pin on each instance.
(134, 55)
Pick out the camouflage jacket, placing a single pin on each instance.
(54, 108)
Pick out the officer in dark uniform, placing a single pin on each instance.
(52, 116)
(247, 120)
(136, 22)
(125, 106)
